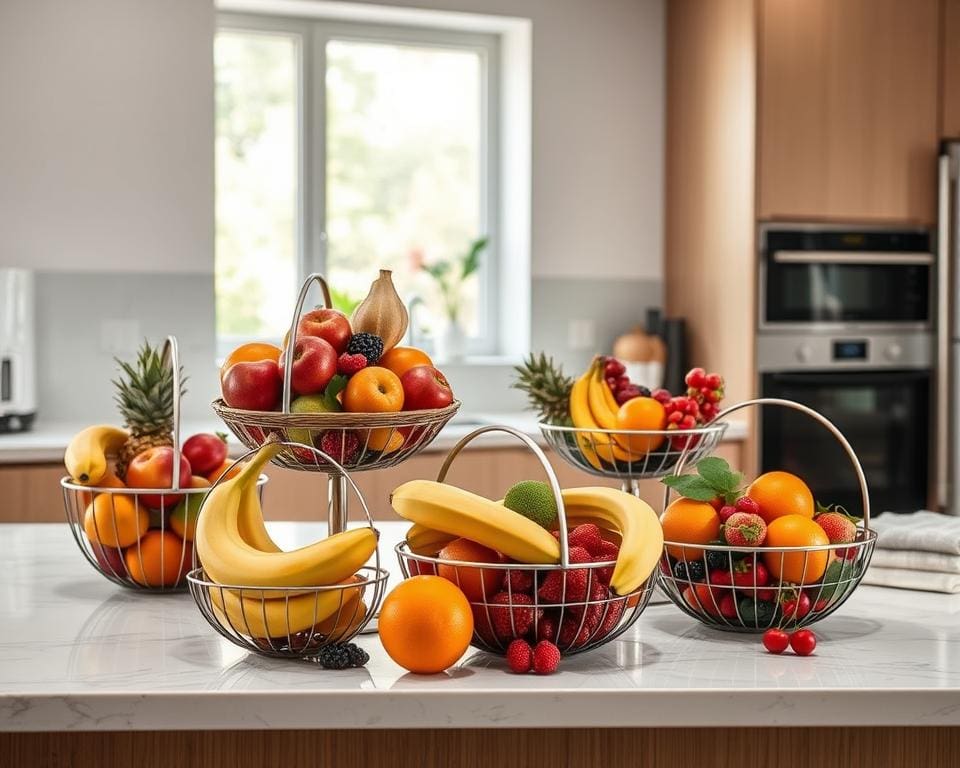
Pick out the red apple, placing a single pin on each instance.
(314, 364)
(205, 452)
(153, 468)
(252, 386)
(330, 325)
(110, 560)
(425, 387)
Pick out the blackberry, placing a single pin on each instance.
(358, 656)
(691, 570)
(644, 391)
(717, 559)
(342, 656)
(366, 344)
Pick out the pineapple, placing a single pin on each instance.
(145, 398)
(547, 388)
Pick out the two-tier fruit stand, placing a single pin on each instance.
(385, 439)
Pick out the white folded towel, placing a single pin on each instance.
(902, 578)
(915, 560)
(925, 531)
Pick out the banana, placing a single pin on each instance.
(229, 559)
(603, 406)
(599, 444)
(642, 542)
(452, 510)
(287, 615)
(250, 523)
(580, 414)
(86, 455)
(426, 541)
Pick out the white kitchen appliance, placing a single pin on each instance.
(18, 391)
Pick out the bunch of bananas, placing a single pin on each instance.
(86, 455)
(441, 512)
(235, 549)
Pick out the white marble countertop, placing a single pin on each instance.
(47, 441)
(78, 653)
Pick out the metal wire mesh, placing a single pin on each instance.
(604, 453)
(586, 616)
(725, 587)
(111, 526)
(289, 623)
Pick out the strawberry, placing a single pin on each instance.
(703, 599)
(608, 552)
(552, 590)
(348, 364)
(515, 580)
(744, 529)
(720, 577)
(547, 628)
(587, 536)
(519, 656)
(840, 528)
(728, 607)
(750, 573)
(341, 445)
(546, 658)
(512, 622)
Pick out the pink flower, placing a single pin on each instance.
(416, 259)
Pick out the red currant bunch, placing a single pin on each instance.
(707, 390)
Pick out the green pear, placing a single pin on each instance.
(320, 403)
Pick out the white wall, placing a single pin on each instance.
(106, 135)
(598, 132)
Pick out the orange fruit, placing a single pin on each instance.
(115, 520)
(690, 522)
(641, 413)
(225, 468)
(796, 567)
(252, 352)
(384, 439)
(425, 624)
(161, 559)
(373, 390)
(478, 584)
(402, 359)
(781, 493)
(109, 480)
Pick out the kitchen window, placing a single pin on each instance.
(343, 147)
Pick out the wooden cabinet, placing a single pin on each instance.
(31, 493)
(950, 73)
(848, 109)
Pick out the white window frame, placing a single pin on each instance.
(311, 36)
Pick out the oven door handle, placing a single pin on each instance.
(882, 258)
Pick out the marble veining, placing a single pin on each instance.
(78, 653)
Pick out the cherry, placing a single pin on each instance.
(803, 642)
(776, 640)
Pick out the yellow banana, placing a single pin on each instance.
(426, 541)
(458, 512)
(250, 523)
(287, 615)
(603, 406)
(229, 559)
(581, 411)
(86, 454)
(642, 542)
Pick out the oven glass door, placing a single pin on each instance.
(817, 292)
(884, 415)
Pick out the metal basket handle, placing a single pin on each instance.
(544, 462)
(816, 416)
(171, 356)
(292, 335)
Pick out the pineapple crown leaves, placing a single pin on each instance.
(713, 479)
(547, 387)
(144, 390)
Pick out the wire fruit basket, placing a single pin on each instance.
(367, 440)
(602, 452)
(724, 586)
(575, 624)
(293, 622)
(141, 538)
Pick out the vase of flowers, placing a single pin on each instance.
(450, 276)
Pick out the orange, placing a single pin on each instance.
(373, 390)
(781, 493)
(252, 352)
(425, 624)
(478, 584)
(109, 480)
(161, 559)
(796, 567)
(225, 468)
(385, 439)
(690, 522)
(641, 413)
(115, 520)
(402, 359)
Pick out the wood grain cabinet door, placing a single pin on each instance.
(847, 114)
(950, 77)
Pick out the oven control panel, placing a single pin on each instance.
(783, 352)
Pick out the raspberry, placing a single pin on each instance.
(517, 580)
(546, 658)
(714, 381)
(519, 656)
(614, 610)
(608, 553)
(348, 364)
(593, 611)
(552, 590)
(572, 635)
(587, 536)
(547, 628)
(746, 504)
(696, 377)
(340, 444)
(512, 622)
(727, 511)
